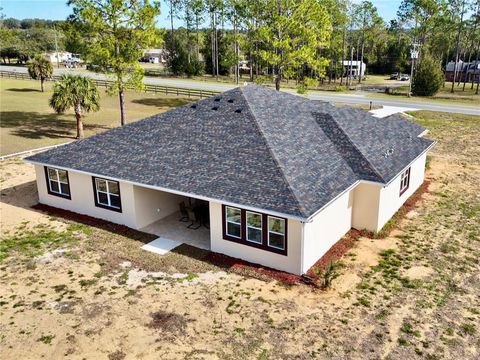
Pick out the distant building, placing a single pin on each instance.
(61, 56)
(155, 56)
(465, 71)
(354, 68)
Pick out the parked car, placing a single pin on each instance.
(394, 76)
(404, 77)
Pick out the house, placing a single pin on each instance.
(354, 68)
(155, 56)
(467, 71)
(283, 178)
(64, 57)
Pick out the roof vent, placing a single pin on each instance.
(230, 101)
(217, 99)
(194, 106)
(215, 108)
(238, 111)
(388, 153)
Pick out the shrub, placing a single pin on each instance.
(329, 274)
(428, 78)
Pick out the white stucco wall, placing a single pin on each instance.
(326, 228)
(390, 199)
(81, 190)
(152, 205)
(366, 198)
(290, 262)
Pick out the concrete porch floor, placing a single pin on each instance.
(171, 228)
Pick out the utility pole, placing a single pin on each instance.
(56, 46)
(413, 56)
(457, 48)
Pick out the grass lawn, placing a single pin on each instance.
(467, 97)
(27, 122)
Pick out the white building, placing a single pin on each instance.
(264, 176)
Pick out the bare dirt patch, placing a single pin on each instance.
(413, 295)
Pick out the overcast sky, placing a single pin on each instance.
(58, 10)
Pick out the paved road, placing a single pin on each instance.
(331, 97)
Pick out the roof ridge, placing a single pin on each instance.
(273, 154)
(372, 167)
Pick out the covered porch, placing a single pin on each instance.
(175, 218)
(171, 228)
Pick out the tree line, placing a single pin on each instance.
(304, 41)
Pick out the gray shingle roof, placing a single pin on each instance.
(250, 146)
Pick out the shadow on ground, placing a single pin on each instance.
(23, 90)
(21, 195)
(34, 125)
(162, 102)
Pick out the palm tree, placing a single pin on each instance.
(77, 92)
(40, 69)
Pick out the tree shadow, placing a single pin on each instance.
(34, 125)
(162, 102)
(22, 195)
(23, 90)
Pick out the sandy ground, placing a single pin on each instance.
(18, 194)
(415, 294)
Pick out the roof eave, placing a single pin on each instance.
(173, 191)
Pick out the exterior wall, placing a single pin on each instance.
(290, 263)
(365, 210)
(390, 201)
(326, 228)
(152, 205)
(81, 189)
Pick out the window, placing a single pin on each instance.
(57, 182)
(254, 227)
(234, 222)
(404, 181)
(276, 232)
(107, 194)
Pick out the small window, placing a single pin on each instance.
(405, 181)
(57, 182)
(254, 227)
(107, 194)
(233, 218)
(276, 233)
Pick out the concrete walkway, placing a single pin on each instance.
(389, 110)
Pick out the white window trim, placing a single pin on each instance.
(58, 181)
(274, 232)
(404, 181)
(233, 222)
(253, 227)
(108, 193)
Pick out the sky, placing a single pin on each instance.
(58, 10)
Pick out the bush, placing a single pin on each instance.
(428, 78)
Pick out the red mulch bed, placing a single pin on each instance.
(346, 243)
(410, 204)
(337, 251)
(94, 222)
(220, 260)
(242, 266)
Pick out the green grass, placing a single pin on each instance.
(28, 122)
(467, 97)
(34, 242)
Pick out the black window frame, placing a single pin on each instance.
(95, 195)
(404, 178)
(54, 193)
(243, 231)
